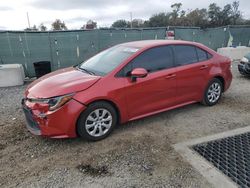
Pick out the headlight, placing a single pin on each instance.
(55, 102)
(244, 60)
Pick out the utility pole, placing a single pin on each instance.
(131, 19)
(28, 19)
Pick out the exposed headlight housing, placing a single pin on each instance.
(244, 60)
(54, 102)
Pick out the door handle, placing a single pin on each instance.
(170, 76)
(203, 67)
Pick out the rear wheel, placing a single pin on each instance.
(97, 121)
(213, 92)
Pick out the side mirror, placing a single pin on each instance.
(138, 73)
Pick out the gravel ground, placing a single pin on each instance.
(137, 154)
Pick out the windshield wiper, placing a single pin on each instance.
(86, 70)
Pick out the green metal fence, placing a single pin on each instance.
(240, 36)
(216, 37)
(65, 48)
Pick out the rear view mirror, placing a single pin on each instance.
(138, 73)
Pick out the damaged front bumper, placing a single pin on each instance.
(60, 123)
(31, 124)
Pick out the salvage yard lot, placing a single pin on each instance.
(137, 154)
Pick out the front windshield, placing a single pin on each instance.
(106, 61)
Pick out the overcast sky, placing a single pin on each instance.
(75, 13)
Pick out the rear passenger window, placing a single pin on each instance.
(155, 59)
(185, 54)
(202, 55)
(209, 56)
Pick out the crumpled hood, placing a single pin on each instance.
(60, 82)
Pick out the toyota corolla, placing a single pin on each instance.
(124, 83)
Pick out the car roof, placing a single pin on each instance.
(153, 43)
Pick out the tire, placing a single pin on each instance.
(247, 68)
(213, 92)
(97, 121)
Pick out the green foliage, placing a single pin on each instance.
(90, 25)
(214, 16)
(42, 27)
(197, 17)
(58, 25)
(136, 23)
(121, 24)
(159, 20)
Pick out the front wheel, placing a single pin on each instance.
(97, 121)
(213, 92)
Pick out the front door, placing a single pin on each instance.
(158, 89)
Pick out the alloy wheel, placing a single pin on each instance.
(214, 92)
(98, 122)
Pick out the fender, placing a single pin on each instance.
(116, 96)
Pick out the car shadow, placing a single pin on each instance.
(125, 127)
(159, 117)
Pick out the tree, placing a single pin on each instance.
(230, 14)
(226, 15)
(90, 25)
(236, 14)
(214, 14)
(198, 17)
(137, 23)
(178, 16)
(159, 20)
(246, 22)
(121, 24)
(34, 28)
(42, 27)
(176, 11)
(58, 25)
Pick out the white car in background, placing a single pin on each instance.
(244, 65)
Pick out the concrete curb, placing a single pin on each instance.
(211, 173)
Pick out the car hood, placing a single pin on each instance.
(60, 82)
(247, 56)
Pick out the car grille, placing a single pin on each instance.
(31, 124)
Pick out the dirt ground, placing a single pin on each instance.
(137, 154)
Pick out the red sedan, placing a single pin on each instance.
(123, 83)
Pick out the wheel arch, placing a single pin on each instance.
(114, 105)
(117, 111)
(219, 77)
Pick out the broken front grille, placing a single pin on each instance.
(231, 155)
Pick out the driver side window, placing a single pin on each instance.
(154, 59)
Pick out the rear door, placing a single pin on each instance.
(158, 89)
(192, 72)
